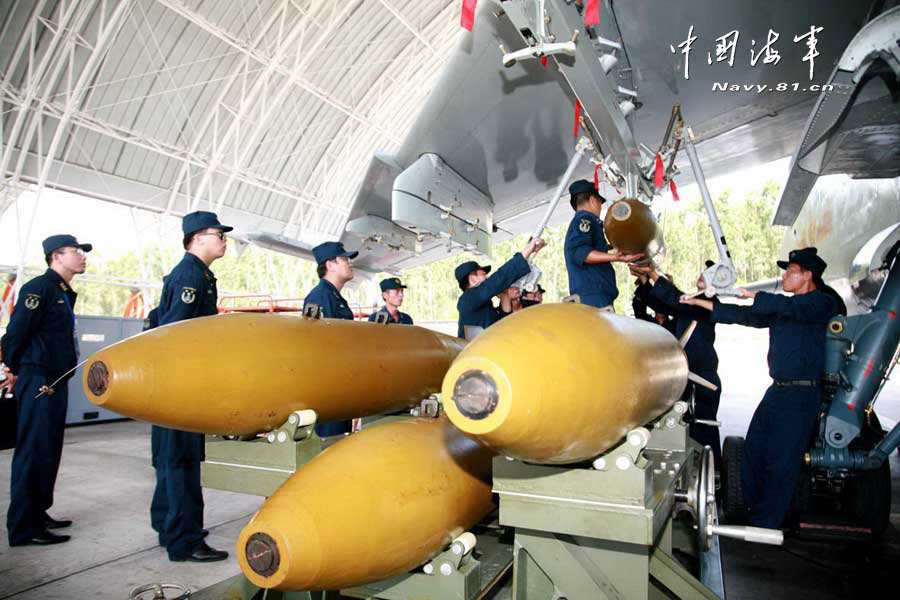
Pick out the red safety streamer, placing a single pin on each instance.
(674, 190)
(597, 176)
(467, 19)
(577, 117)
(658, 180)
(591, 12)
(544, 60)
(8, 300)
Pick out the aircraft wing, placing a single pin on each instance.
(854, 128)
(497, 139)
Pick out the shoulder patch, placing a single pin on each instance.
(584, 225)
(32, 301)
(188, 295)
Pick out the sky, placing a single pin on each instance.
(114, 229)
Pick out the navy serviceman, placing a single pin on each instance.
(335, 269)
(510, 302)
(40, 347)
(189, 291)
(475, 306)
(783, 423)
(642, 301)
(700, 350)
(588, 259)
(533, 298)
(392, 293)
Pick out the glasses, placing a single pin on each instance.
(218, 234)
(77, 251)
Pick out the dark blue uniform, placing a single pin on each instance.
(39, 347)
(642, 300)
(639, 302)
(329, 300)
(333, 306)
(782, 425)
(152, 322)
(176, 512)
(402, 317)
(594, 283)
(701, 356)
(475, 306)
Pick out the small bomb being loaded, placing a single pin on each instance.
(561, 383)
(266, 367)
(377, 504)
(631, 228)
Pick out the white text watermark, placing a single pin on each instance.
(761, 88)
(726, 46)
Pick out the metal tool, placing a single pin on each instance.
(530, 281)
(721, 277)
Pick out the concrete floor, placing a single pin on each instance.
(106, 483)
(105, 486)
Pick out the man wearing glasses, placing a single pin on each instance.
(189, 291)
(335, 269)
(40, 347)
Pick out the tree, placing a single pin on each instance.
(752, 241)
(433, 291)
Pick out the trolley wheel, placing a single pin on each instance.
(869, 498)
(732, 492)
(158, 591)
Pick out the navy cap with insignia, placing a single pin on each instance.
(807, 258)
(581, 186)
(202, 219)
(331, 250)
(463, 271)
(392, 283)
(55, 242)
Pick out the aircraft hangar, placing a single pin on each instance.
(347, 157)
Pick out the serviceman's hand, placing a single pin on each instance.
(630, 258)
(644, 270)
(696, 301)
(533, 247)
(744, 293)
(639, 273)
(9, 384)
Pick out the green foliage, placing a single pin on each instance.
(433, 291)
(752, 240)
(753, 243)
(255, 271)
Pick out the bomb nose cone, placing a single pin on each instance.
(620, 211)
(517, 389)
(262, 554)
(631, 228)
(98, 378)
(432, 482)
(475, 394)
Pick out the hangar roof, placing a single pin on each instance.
(266, 111)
